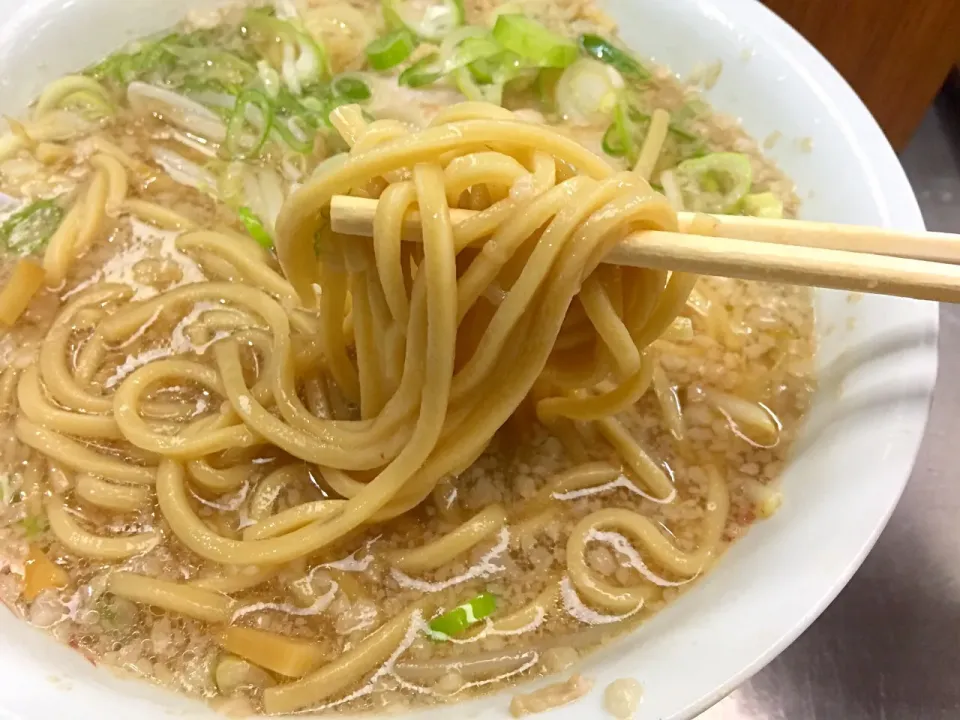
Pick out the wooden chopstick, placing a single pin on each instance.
(841, 257)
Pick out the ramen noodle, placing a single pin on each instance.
(280, 468)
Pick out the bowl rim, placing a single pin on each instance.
(895, 200)
(891, 187)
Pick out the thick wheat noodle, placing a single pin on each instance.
(576, 478)
(530, 526)
(348, 121)
(636, 458)
(195, 602)
(9, 382)
(218, 480)
(54, 371)
(117, 182)
(645, 534)
(80, 457)
(293, 518)
(669, 402)
(137, 431)
(610, 327)
(297, 224)
(244, 578)
(80, 542)
(578, 200)
(111, 496)
(245, 255)
(104, 146)
(162, 217)
(78, 230)
(482, 168)
(581, 405)
(531, 614)
(264, 498)
(41, 411)
(394, 203)
(368, 359)
(439, 552)
(358, 662)
(90, 358)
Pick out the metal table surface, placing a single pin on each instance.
(888, 648)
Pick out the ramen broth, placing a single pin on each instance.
(730, 386)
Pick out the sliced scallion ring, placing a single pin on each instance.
(455, 621)
(588, 92)
(390, 50)
(28, 229)
(428, 19)
(763, 205)
(296, 132)
(255, 228)
(423, 72)
(531, 40)
(714, 183)
(602, 50)
(466, 45)
(350, 88)
(249, 124)
(466, 84)
(612, 143)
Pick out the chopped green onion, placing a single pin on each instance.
(34, 526)
(350, 88)
(642, 117)
(612, 143)
(287, 47)
(255, 228)
(466, 84)
(602, 50)
(391, 49)
(240, 121)
(620, 138)
(467, 45)
(499, 68)
(715, 183)
(588, 92)
(29, 229)
(763, 205)
(203, 59)
(270, 79)
(423, 72)
(462, 617)
(546, 86)
(430, 23)
(531, 40)
(296, 131)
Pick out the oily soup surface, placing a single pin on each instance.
(154, 521)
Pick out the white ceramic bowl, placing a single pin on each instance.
(878, 360)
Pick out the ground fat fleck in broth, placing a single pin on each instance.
(143, 200)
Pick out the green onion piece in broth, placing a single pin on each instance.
(391, 49)
(427, 19)
(715, 183)
(423, 72)
(602, 50)
(246, 125)
(29, 229)
(531, 40)
(255, 228)
(350, 88)
(455, 621)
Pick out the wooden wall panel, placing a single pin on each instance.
(895, 53)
